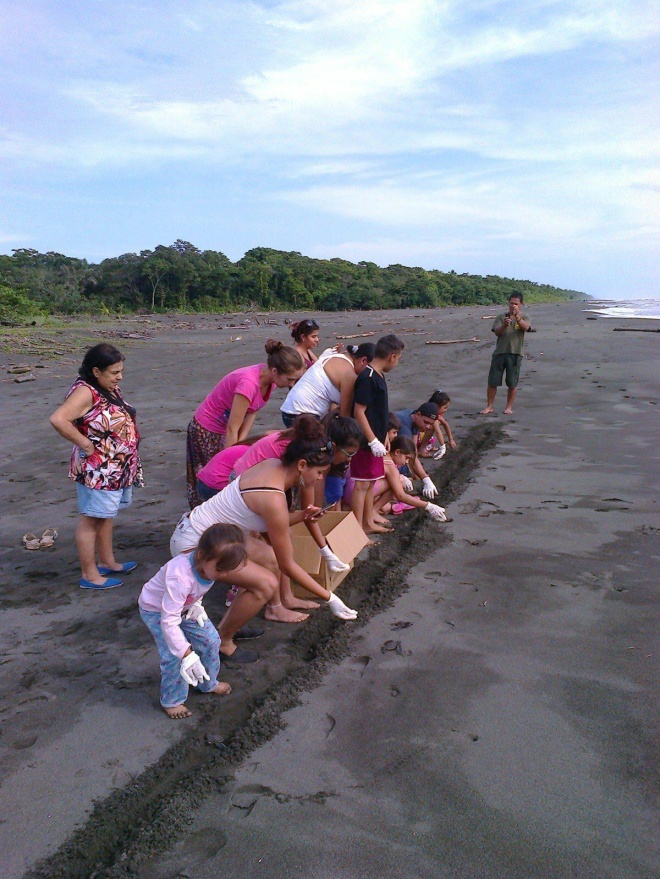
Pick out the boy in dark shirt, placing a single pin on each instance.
(371, 411)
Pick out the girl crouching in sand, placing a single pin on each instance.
(402, 452)
(171, 607)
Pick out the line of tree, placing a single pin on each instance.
(183, 278)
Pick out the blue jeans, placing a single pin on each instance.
(206, 644)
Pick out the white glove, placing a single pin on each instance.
(334, 564)
(196, 612)
(436, 513)
(407, 483)
(429, 489)
(440, 452)
(377, 448)
(339, 609)
(192, 670)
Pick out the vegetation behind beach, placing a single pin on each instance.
(183, 278)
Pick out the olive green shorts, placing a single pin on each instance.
(505, 363)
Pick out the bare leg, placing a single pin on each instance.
(371, 524)
(358, 500)
(277, 612)
(86, 534)
(510, 397)
(259, 585)
(104, 545)
(490, 399)
(382, 500)
(289, 600)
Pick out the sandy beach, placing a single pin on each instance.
(493, 711)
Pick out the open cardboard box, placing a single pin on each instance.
(345, 538)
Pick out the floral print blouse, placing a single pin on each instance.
(116, 462)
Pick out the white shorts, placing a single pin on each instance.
(184, 538)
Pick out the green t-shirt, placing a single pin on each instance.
(512, 339)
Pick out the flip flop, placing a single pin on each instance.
(240, 656)
(126, 568)
(48, 538)
(31, 541)
(247, 633)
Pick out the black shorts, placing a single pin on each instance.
(501, 363)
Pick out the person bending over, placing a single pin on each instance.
(433, 443)
(257, 503)
(371, 411)
(402, 453)
(226, 416)
(171, 608)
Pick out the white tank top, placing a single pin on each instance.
(229, 506)
(314, 393)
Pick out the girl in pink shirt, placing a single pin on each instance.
(227, 414)
(171, 608)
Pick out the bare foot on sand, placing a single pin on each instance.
(373, 543)
(178, 712)
(300, 604)
(508, 411)
(487, 411)
(375, 528)
(381, 520)
(281, 614)
(222, 688)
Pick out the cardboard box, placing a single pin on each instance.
(345, 538)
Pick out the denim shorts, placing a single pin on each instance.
(99, 504)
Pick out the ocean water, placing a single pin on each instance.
(622, 308)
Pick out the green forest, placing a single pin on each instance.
(183, 278)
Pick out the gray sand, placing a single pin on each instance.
(512, 734)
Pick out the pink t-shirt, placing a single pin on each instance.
(170, 592)
(218, 470)
(213, 413)
(270, 446)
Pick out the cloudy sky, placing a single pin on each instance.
(511, 138)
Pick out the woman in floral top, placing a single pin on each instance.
(105, 462)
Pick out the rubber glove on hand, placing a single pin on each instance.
(429, 490)
(339, 609)
(436, 513)
(192, 670)
(407, 483)
(197, 613)
(440, 453)
(334, 563)
(377, 448)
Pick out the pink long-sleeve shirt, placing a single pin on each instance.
(171, 592)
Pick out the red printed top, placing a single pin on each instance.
(111, 427)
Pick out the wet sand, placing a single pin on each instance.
(491, 713)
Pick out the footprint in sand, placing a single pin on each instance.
(359, 664)
(330, 723)
(25, 742)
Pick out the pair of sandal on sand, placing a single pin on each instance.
(46, 541)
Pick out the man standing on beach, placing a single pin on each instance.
(510, 329)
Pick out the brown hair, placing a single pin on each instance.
(309, 442)
(282, 358)
(404, 445)
(224, 544)
(389, 344)
(303, 328)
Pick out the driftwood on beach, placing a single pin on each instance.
(634, 330)
(450, 341)
(355, 336)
